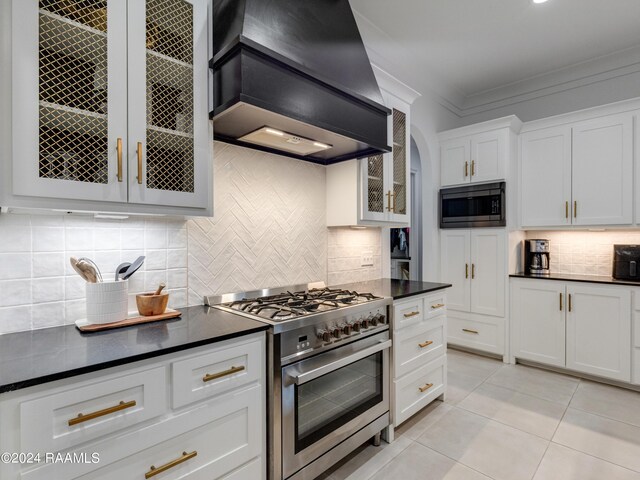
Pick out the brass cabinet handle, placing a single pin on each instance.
(473, 167)
(393, 206)
(570, 306)
(212, 376)
(119, 150)
(466, 169)
(566, 209)
(425, 388)
(475, 332)
(389, 201)
(153, 471)
(437, 305)
(101, 413)
(411, 314)
(561, 302)
(425, 344)
(473, 271)
(466, 270)
(575, 209)
(139, 151)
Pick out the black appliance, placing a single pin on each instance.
(293, 78)
(536, 257)
(626, 262)
(473, 206)
(400, 243)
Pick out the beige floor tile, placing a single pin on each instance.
(550, 386)
(472, 365)
(416, 425)
(564, 463)
(601, 437)
(418, 462)
(459, 386)
(364, 462)
(524, 412)
(612, 402)
(496, 450)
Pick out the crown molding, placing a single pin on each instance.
(512, 122)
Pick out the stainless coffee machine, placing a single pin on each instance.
(536, 257)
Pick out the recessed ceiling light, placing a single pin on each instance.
(539, 1)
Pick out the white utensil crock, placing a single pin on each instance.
(107, 302)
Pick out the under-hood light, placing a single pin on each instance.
(289, 142)
(321, 145)
(273, 131)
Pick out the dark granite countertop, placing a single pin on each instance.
(389, 287)
(40, 356)
(568, 277)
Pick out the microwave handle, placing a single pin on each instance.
(342, 362)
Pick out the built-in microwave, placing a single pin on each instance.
(473, 206)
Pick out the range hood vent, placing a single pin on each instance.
(298, 68)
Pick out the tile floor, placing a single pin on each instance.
(509, 422)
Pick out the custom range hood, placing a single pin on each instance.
(292, 77)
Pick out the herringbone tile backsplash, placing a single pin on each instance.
(269, 227)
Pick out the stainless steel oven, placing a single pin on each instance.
(328, 398)
(473, 206)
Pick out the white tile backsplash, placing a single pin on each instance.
(40, 289)
(345, 248)
(584, 252)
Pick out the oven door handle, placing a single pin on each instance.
(342, 362)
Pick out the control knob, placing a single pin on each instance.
(324, 335)
(373, 320)
(336, 332)
(346, 328)
(364, 323)
(355, 325)
(380, 318)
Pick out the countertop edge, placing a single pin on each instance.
(10, 387)
(599, 280)
(428, 290)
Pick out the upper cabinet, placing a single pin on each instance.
(578, 174)
(110, 106)
(375, 191)
(478, 153)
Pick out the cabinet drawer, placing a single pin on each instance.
(419, 388)
(84, 413)
(408, 312)
(474, 334)
(417, 345)
(435, 305)
(213, 373)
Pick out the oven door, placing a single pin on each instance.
(473, 206)
(329, 397)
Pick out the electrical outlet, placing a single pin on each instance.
(366, 259)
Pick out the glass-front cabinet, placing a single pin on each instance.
(110, 101)
(385, 178)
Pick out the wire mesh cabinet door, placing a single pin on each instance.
(169, 138)
(399, 161)
(69, 99)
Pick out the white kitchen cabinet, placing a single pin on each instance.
(222, 421)
(473, 261)
(578, 173)
(477, 153)
(603, 171)
(375, 191)
(110, 109)
(599, 330)
(538, 321)
(545, 177)
(580, 326)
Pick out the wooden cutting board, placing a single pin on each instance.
(85, 326)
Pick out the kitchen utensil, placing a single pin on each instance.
(75, 264)
(133, 268)
(160, 287)
(151, 303)
(120, 269)
(94, 267)
(107, 302)
(89, 271)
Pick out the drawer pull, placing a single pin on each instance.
(425, 388)
(475, 332)
(212, 376)
(437, 305)
(425, 344)
(411, 314)
(153, 471)
(101, 413)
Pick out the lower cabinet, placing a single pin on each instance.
(579, 326)
(419, 366)
(144, 420)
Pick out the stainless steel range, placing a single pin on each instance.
(328, 369)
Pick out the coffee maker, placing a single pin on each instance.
(536, 257)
